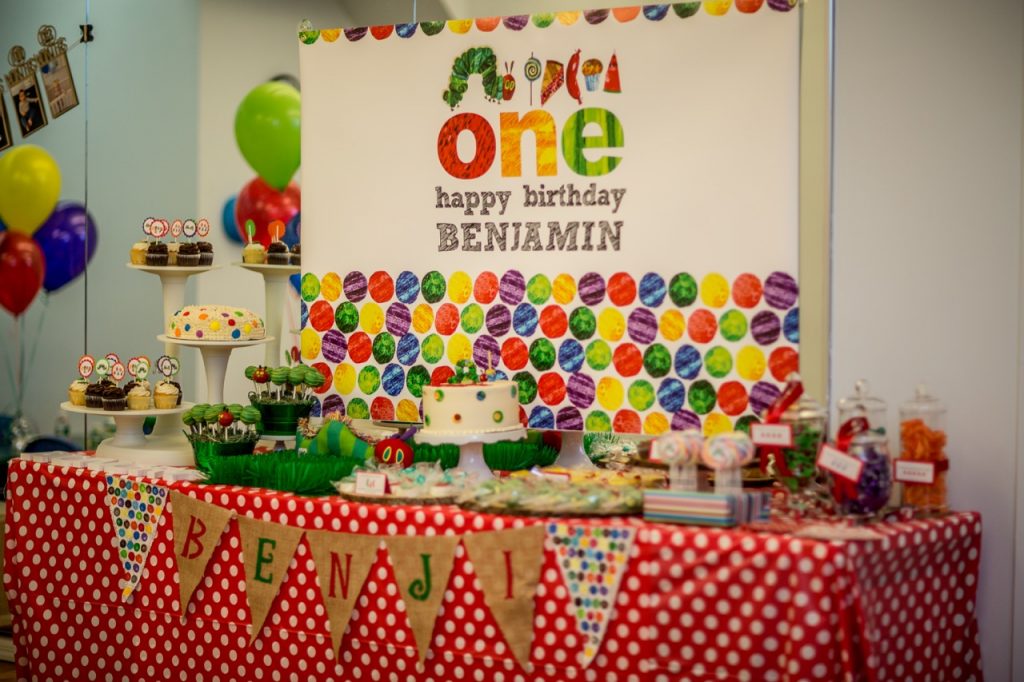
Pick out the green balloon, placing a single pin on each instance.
(267, 132)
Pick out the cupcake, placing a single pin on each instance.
(76, 391)
(137, 382)
(138, 397)
(188, 255)
(277, 254)
(94, 395)
(138, 253)
(296, 255)
(166, 395)
(205, 254)
(254, 253)
(172, 253)
(157, 254)
(113, 399)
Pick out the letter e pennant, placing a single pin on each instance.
(267, 549)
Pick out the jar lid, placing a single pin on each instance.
(803, 410)
(861, 400)
(923, 402)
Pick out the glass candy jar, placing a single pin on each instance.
(871, 492)
(923, 440)
(808, 421)
(861, 406)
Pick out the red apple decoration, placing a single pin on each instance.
(261, 375)
(226, 419)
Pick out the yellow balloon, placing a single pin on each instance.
(29, 188)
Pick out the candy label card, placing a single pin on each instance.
(908, 471)
(840, 463)
(779, 435)
(585, 202)
(368, 483)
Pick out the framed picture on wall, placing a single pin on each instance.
(60, 85)
(5, 126)
(28, 105)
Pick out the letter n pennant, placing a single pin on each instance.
(507, 563)
(267, 549)
(342, 564)
(197, 530)
(593, 560)
(135, 509)
(422, 565)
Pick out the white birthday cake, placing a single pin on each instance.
(215, 323)
(471, 408)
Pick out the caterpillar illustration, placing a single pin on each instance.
(479, 60)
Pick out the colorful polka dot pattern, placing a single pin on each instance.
(630, 353)
(682, 10)
(615, 352)
(135, 509)
(694, 603)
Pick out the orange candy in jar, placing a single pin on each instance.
(922, 439)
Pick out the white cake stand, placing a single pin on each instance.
(275, 282)
(167, 430)
(471, 447)
(572, 455)
(130, 444)
(215, 360)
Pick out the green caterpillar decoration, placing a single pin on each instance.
(479, 60)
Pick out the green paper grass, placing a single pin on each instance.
(503, 456)
(283, 470)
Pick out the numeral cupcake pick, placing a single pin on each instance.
(176, 229)
(117, 371)
(86, 364)
(203, 228)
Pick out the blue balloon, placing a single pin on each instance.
(293, 230)
(2, 226)
(63, 239)
(296, 281)
(227, 219)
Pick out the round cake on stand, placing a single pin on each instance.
(470, 413)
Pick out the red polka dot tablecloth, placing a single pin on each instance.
(694, 604)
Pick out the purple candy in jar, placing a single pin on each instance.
(875, 484)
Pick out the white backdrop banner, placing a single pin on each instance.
(600, 205)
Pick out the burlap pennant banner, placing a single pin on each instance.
(591, 557)
(342, 563)
(508, 564)
(198, 527)
(423, 564)
(267, 549)
(135, 509)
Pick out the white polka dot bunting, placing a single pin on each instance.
(135, 508)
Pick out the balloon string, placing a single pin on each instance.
(39, 329)
(10, 373)
(20, 366)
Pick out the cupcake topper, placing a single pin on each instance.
(147, 227)
(102, 368)
(112, 357)
(176, 228)
(160, 228)
(189, 228)
(166, 366)
(203, 228)
(86, 364)
(250, 229)
(133, 367)
(276, 230)
(142, 370)
(117, 371)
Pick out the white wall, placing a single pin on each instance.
(927, 244)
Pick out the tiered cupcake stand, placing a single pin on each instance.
(275, 282)
(130, 444)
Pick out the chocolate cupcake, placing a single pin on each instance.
(177, 386)
(188, 255)
(205, 254)
(114, 399)
(296, 255)
(277, 254)
(157, 254)
(94, 396)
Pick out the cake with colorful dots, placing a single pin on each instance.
(215, 323)
(467, 406)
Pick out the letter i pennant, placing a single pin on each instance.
(342, 563)
(198, 527)
(135, 509)
(422, 566)
(267, 550)
(593, 560)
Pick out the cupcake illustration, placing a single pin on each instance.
(592, 69)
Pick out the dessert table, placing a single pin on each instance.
(694, 604)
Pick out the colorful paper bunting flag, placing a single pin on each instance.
(267, 549)
(135, 509)
(593, 560)
(422, 566)
(342, 563)
(198, 527)
(508, 564)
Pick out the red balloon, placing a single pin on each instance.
(263, 204)
(22, 269)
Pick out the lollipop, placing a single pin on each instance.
(727, 451)
(681, 450)
(297, 376)
(532, 71)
